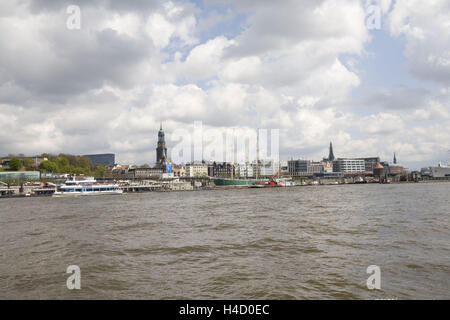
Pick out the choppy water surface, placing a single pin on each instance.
(287, 243)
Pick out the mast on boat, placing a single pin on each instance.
(257, 152)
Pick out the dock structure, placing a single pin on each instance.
(141, 188)
(10, 191)
(44, 191)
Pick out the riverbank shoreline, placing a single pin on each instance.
(209, 188)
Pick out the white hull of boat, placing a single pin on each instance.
(88, 193)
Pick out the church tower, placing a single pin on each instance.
(161, 150)
(331, 154)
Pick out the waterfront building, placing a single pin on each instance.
(245, 170)
(396, 169)
(378, 171)
(210, 169)
(315, 167)
(304, 168)
(347, 165)
(327, 166)
(196, 170)
(177, 170)
(298, 168)
(441, 171)
(19, 176)
(283, 167)
(145, 173)
(161, 150)
(370, 163)
(265, 168)
(104, 159)
(221, 169)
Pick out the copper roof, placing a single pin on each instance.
(378, 166)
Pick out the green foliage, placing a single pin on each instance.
(62, 164)
(48, 166)
(47, 155)
(74, 165)
(100, 171)
(85, 163)
(27, 163)
(15, 164)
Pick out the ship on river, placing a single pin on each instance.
(224, 182)
(243, 183)
(86, 187)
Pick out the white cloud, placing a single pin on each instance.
(172, 21)
(425, 27)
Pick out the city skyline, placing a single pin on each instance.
(163, 156)
(316, 71)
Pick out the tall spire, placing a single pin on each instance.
(160, 125)
(395, 159)
(331, 154)
(161, 150)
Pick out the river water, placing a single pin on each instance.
(312, 242)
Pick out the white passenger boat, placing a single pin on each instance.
(86, 187)
(286, 182)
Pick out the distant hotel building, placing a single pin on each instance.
(298, 168)
(370, 163)
(196, 170)
(221, 169)
(105, 159)
(346, 165)
(245, 170)
(145, 173)
(305, 168)
(265, 168)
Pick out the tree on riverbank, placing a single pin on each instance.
(15, 164)
(74, 165)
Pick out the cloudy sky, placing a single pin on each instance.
(313, 69)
